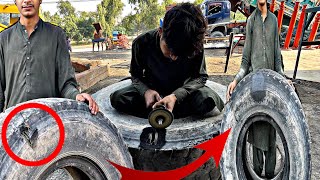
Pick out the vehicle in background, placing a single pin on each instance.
(217, 13)
(9, 14)
(115, 37)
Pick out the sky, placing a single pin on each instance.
(85, 5)
(80, 5)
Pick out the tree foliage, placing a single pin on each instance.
(77, 25)
(147, 15)
(129, 23)
(53, 19)
(65, 8)
(198, 2)
(69, 23)
(84, 23)
(151, 13)
(108, 12)
(168, 2)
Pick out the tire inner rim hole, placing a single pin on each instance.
(73, 168)
(68, 173)
(253, 136)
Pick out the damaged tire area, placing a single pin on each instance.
(90, 140)
(266, 96)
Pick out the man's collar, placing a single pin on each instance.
(259, 11)
(39, 23)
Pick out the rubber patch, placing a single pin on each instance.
(258, 87)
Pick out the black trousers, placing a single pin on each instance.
(128, 100)
(269, 151)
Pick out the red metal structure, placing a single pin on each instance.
(272, 5)
(291, 26)
(300, 26)
(314, 28)
(280, 16)
(302, 43)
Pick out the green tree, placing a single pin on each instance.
(68, 20)
(71, 28)
(198, 2)
(46, 16)
(129, 23)
(85, 22)
(101, 17)
(121, 29)
(54, 19)
(151, 12)
(77, 25)
(147, 16)
(108, 11)
(167, 2)
(65, 8)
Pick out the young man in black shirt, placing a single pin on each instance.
(168, 68)
(35, 62)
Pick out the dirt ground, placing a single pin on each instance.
(308, 91)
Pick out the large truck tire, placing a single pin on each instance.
(90, 140)
(172, 148)
(215, 34)
(266, 96)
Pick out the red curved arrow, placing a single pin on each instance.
(213, 147)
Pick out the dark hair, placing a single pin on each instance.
(184, 27)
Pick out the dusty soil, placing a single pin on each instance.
(309, 92)
(119, 61)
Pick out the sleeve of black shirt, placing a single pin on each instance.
(278, 60)
(66, 77)
(136, 68)
(193, 83)
(2, 77)
(246, 55)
